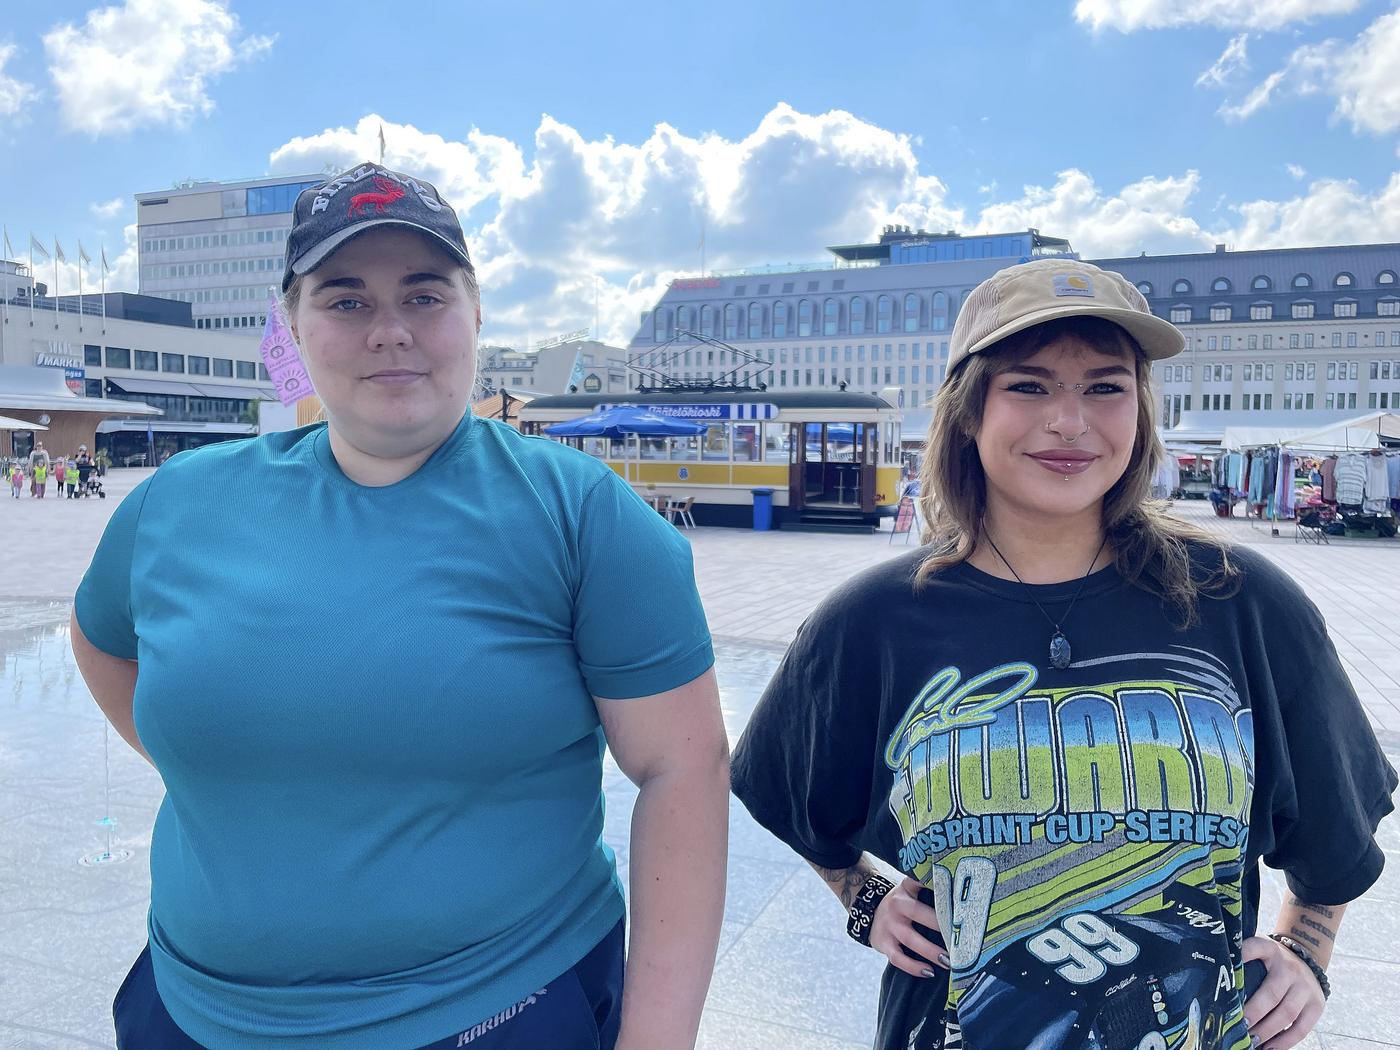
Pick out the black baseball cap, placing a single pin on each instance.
(366, 196)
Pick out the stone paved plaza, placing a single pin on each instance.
(787, 976)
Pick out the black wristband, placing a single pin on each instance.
(862, 912)
(1311, 963)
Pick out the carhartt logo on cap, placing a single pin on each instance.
(1073, 284)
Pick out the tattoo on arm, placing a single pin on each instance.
(1317, 909)
(846, 882)
(1313, 924)
(1302, 935)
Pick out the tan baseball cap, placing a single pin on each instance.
(1028, 294)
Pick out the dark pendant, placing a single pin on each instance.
(1059, 651)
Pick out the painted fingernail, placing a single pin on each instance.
(929, 973)
(946, 961)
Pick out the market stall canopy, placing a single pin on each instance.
(45, 390)
(1258, 437)
(6, 423)
(1361, 432)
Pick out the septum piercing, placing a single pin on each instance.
(1070, 440)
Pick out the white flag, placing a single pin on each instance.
(83, 255)
(58, 251)
(37, 248)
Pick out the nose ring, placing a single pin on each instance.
(1069, 440)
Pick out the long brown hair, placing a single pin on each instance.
(1151, 549)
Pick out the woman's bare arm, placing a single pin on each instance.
(112, 682)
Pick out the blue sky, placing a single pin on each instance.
(587, 145)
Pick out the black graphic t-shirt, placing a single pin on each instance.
(1089, 836)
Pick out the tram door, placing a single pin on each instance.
(831, 467)
(868, 454)
(797, 468)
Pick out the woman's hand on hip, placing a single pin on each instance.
(894, 936)
(1288, 1002)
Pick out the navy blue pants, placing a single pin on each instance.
(579, 1010)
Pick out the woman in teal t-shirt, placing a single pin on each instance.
(361, 850)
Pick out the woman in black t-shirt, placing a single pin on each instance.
(1075, 724)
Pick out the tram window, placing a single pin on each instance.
(746, 446)
(716, 442)
(654, 448)
(685, 448)
(596, 447)
(775, 442)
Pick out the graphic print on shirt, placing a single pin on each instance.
(1085, 846)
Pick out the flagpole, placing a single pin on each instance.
(57, 251)
(31, 280)
(80, 286)
(104, 289)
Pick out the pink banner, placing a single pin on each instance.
(279, 354)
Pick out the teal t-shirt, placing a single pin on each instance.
(373, 712)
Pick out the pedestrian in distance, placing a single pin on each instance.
(60, 468)
(358, 850)
(70, 477)
(41, 480)
(1074, 725)
(16, 479)
(37, 457)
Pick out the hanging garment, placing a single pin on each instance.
(1283, 487)
(1377, 491)
(1392, 468)
(1351, 479)
(1328, 470)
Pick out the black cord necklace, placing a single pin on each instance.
(1060, 653)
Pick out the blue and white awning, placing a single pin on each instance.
(731, 410)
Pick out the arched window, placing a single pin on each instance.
(684, 325)
(1145, 287)
(1343, 280)
(661, 325)
(1181, 286)
(1302, 280)
(731, 321)
(884, 313)
(707, 321)
(780, 321)
(1385, 277)
(857, 310)
(755, 321)
(1220, 284)
(831, 314)
(938, 318)
(911, 312)
(804, 317)
(1261, 284)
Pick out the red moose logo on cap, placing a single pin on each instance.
(388, 193)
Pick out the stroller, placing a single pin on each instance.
(89, 484)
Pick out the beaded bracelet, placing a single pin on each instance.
(1311, 963)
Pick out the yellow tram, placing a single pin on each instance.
(832, 458)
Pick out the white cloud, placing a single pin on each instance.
(107, 209)
(1256, 100)
(1333, 211)
(551, 221)
(14, 94)
(1363, 75)
(1296, 170)
(466, 173)
(145, 62)
(1128, 16)
(1147, 215)
(1232, 61)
